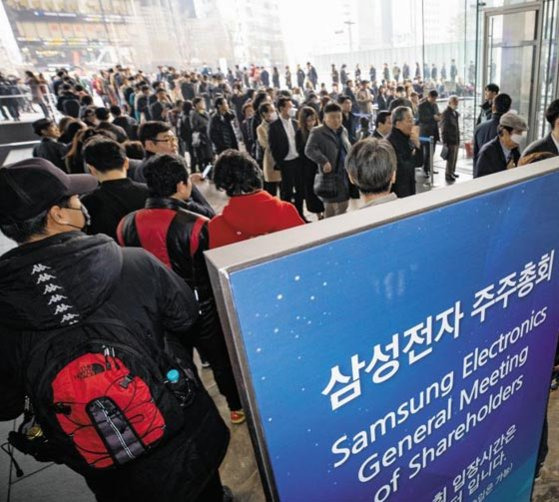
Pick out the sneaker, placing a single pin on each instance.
(238, 417)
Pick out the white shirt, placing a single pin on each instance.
(290, 131)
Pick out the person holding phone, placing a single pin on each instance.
(404, 137)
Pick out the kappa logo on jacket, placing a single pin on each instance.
(55, 302)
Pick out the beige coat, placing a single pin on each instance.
(270, 174)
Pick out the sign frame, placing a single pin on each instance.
(224, 261)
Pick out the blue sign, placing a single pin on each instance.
(411, 361)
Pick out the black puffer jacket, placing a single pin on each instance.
(171, 232)
(97, 278)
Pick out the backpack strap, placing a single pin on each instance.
(195, 236)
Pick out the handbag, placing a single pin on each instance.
(444, 153)
(326, 185)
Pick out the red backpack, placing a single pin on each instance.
(104, 395)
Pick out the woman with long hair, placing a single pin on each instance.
(308, 119)
(71, 129)
(74, 158)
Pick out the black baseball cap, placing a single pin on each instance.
(31, 186)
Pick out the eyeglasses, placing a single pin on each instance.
(168, 139)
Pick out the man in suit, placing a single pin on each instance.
(284, 151)
(405, 140)
(349, 120)
(348, 91)
(312, 75)
(486, 131)
(428, 119)
(450, 130)
(221, 129)
(502, 152)
(551, 142)
(382, 101)
(383, 124)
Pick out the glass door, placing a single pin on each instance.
(511, 57)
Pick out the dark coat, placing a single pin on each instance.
(492, 159)
(187, 91)
(382, 102)
(485, 132)
(313, 76)
(351, 95)
(110, 202)
(129, 125)
(395, 103)
(200, 124)
(63, 98)
(542, 145)
(142, 106)
(300, 78)
(408, 157)
(51, 150)
(428, 126)
(450, 127)
(277, 138)
(157, 109)
(349, 121)
(100, 279)
(265, 78)
(485, 113)
(222, 133)
(118, 131)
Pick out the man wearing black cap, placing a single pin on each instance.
(49, 148)
(62, 294)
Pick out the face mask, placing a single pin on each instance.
(293, 112)
(519, 139)
(86, 217)
(273, 116)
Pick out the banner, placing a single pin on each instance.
(410, 361)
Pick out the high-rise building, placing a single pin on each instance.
(87, 33)
(146, 33)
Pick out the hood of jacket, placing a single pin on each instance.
(57, 281)
(252, 214)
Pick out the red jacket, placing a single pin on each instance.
(247, 216)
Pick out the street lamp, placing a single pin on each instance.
(349, 24)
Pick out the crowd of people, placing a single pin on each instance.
(112, 227)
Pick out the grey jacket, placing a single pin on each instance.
(322, 147)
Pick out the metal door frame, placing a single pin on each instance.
(535, 91)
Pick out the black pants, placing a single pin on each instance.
(314, 204)
(208, 338)
(292, 188)
(213, 491)
(271, 187)
(426, 156)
